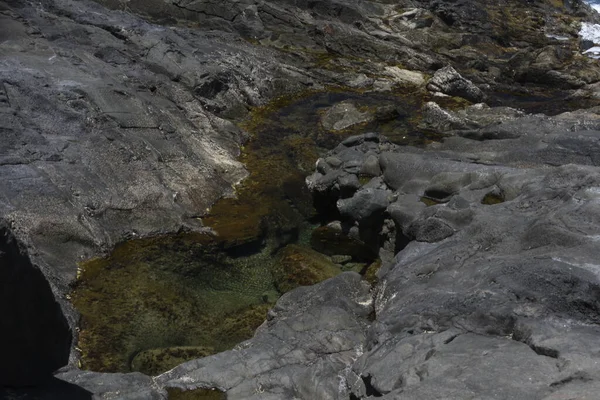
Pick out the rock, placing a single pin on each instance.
(365, 204)
(125, 386)
(405, 210)
(448, 81)
(117, 127)
(405, 77)
(439, 119)
(371, 166)
(430, 230)
(349, 184)
(322, 323)
(344, 115)
(341, 258)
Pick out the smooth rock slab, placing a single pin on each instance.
(311, 337)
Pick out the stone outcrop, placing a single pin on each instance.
(120, 123)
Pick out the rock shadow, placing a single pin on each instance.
(53, 389)
(36, 338)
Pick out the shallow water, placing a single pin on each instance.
(154, 303)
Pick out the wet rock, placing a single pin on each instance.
(341, 258)
(448, 81)
(344, 115)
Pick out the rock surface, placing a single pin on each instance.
(115, 127)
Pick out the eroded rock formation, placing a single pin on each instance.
(120, 123)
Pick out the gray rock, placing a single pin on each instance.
(313, 334)
(446, 80)
(430, 230)
(370, 166)
(365, 203)
(349, 184)
(435, 117)
(115, 127)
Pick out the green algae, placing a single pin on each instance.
(155, 361)
(429, 201)
(302, 266)
(173, 291)
(492, 198)
(370, 272)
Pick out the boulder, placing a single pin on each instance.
(448, 81)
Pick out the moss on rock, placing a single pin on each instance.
(302, 266)
(155, 361)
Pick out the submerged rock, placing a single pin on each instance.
(301, 266)
(343, 115)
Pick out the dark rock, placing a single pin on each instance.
(35, 333)
(353, 140)
(341, 259)
(352, 166)
(371, 166)
(334, 161)
(349, 184)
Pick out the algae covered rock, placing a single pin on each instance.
(344, 115)
(302, 266)
(155, 361)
